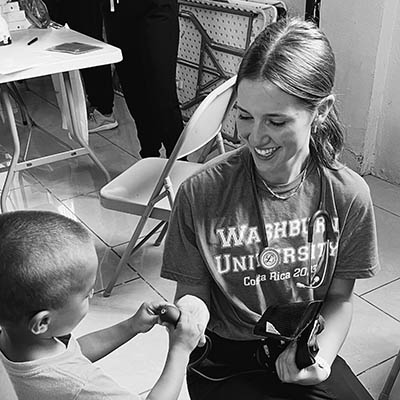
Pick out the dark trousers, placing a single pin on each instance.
(85, 16)
(147, 32)
(229, 358)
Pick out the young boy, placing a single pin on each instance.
(48, 267)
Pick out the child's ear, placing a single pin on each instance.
(39, 323)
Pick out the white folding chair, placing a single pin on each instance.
(147, 188)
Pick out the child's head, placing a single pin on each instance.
(48, 267)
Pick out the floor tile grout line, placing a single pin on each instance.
(96, 191)
(395, 185)
(120, 284)
(378, 287)
(80, 195)
(81, 221)
(376, 365)
(118, 146)
(388, 211)
(128, 264)
(57, 107)
(90, 229)
(104, 137)
(34, 92)
(379, 309)
(106, 244)
(37, 182)
(154, 288)
(112, 248)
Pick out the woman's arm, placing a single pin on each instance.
(202, 291)
(337, 312)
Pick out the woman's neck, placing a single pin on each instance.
(287, 174)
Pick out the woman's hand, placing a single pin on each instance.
(288, 372)
(187, 333)
(198, 311)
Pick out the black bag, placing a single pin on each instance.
(300, 322)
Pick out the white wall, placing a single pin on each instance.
(364, 35)
(353, 29)
(387, 157)
(295, 7)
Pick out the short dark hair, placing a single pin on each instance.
(40, 252)
(296, 56)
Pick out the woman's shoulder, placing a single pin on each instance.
(348, 182)
(222, 168)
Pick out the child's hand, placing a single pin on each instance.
(146, 316)
(187, 333)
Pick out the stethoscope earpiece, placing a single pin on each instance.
(313, 285)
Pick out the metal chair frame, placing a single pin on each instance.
(141, 188)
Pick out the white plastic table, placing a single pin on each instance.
(19, 61)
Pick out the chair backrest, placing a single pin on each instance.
(206, 121)
(204, 125)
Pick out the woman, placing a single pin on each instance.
(238, 236)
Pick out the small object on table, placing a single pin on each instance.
(35, 39)
(5, 37)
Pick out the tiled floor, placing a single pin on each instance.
(71, 188)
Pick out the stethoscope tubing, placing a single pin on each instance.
(329, 234)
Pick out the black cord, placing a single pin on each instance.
(206, 351)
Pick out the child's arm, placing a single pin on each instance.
(183, 339)
(97, 345)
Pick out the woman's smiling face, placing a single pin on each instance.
(276, 127)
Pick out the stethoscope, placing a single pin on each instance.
(315, 279)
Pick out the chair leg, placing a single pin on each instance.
(220, 143)
(128, 252)
(161, 235)
(391, 379)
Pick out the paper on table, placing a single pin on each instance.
(74, 48)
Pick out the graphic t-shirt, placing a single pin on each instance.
(227, 231)
(65, 376)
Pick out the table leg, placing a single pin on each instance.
(30, 122)
(75, 130)
(7, 108)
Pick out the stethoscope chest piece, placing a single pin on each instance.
(269, 257)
